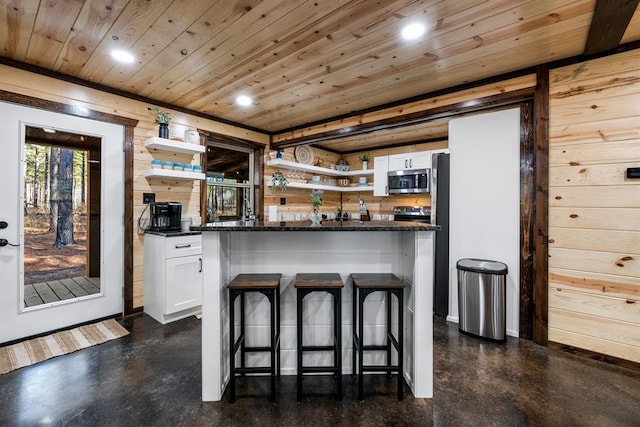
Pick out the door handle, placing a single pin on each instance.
(200, 259)
(183, 246)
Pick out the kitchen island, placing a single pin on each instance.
(402, 248)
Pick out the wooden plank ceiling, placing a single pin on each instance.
(302, 61)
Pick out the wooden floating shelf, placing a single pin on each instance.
(174, 146)
(174, 175)
(309, 186)
(286, 164)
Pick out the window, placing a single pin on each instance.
(229, 194)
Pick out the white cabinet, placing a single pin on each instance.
(172, 276)
(417, 160)
(380, 169)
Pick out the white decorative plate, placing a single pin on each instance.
(304, 155)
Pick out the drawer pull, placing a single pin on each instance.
(183, 246)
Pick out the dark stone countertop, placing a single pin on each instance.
(174, 233)
(306, 226)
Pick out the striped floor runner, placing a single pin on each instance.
(42, 348)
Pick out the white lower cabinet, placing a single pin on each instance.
(172, 276)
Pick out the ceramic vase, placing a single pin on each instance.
(163, 131)
(316, 218)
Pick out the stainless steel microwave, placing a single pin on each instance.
(410, 181)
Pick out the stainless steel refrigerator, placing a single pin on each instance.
(440, 216)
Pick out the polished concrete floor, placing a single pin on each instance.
(152, 378)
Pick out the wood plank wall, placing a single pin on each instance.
(298, 201)
(186, 192)
(594, 210)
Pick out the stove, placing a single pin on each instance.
(412, 213)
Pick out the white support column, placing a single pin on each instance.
(423, 314)
(212, 387)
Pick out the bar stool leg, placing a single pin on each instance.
(271, 298)
(299, 316)
(334, 297)
(232, 339)
(278, 328)
(242, 325)
(361, 297)
(338, 327)
(354, 326)
(400, 344)
(389, 344)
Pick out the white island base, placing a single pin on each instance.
(407, 254)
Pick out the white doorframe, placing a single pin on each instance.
(484, 213)
(16, 321)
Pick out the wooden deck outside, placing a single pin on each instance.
(59, 290)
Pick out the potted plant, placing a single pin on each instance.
(279, 182)
(162, 118)
(365, 161)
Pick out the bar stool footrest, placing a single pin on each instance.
(373, 347)
(253, 370)
(319, 370)
(318, 348)
(258, 349)
(374, 368)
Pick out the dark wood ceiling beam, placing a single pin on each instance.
(228, 139)
(412, 118)
(610, 20)
(398, 144)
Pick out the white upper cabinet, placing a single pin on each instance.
(417, 160)
(380, 169)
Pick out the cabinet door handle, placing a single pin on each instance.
(200, 259)
(406, 163)
(386, 189)
(183, 246)
(410, 163)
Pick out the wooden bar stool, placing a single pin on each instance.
(363, 285)
(268, 285)
(305, 283)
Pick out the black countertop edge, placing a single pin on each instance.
(174, 233)
(326, 226)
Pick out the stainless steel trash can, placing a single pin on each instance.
(482, 298)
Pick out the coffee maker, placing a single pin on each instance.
(165, 216)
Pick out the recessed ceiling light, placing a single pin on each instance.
(122, 56)
(413, 31)
(244, 100)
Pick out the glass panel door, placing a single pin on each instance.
(61, 239)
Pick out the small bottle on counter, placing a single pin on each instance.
(364, 212)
